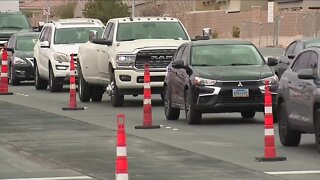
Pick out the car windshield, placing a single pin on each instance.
(13, 21)
(74, 35)
(26, 43)
(225, 55)
(151, 30)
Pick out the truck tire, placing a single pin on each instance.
(39, 83)
(248, 114)
(170, 112)
(117, 99)
(288, 137)
(54, 84)
(83, 87)
(97, 93)
(192, 115)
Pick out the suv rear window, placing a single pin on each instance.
(225, 55)
(74, 35)
(13, 21)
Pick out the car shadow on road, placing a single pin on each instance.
(139, 103)
(229, 121)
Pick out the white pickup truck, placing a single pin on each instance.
(116, 61)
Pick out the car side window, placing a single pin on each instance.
(186, 54)
(42, 35)
(301, 62)
(48, 35)
(291, 48)
(106, 32)
(179, 53)
(110, 36)
(313, 62)
(297, 49)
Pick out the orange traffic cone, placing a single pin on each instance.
(269, 145)
(147, 107)
(4, 74)
(121, 160)
(73, 97)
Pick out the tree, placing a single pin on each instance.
(105, 9)
(66, 11)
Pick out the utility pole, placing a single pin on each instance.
(133, 6)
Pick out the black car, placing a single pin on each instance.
(215, 76)
(291, 51)
(20, 53)
(299, 99)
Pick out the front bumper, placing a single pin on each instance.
(219, 100)
(132, 81)
(23, 72)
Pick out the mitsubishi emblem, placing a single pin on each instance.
(240, 84)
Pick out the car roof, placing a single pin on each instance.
(220, 42)
(77, 22)
(10, 12)
(310, 39)
(27, 34)
(146, 19)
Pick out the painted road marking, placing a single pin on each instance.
(168, 127)
(293, 172)
(53, 178)
(174, 129)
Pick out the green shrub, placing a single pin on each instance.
(235, 32)
(215, 34)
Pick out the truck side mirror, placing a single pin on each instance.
(93, 35)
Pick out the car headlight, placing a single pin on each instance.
(126, 60)
(19, 61)
(204, 82)
(61, 57)
(273, 80)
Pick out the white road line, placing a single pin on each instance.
(53, 178)
(26, 95)
(168, 127)
(293, 172)
(174, 129)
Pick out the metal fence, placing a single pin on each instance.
(286, 27)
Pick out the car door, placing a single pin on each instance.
(44, 58)
(174, 79)
(103, 53)
(284, 61)
(309, 88)
(182, 76)
(295, 86)
(11, 44)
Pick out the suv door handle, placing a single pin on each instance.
(103, 51)
(98, 50)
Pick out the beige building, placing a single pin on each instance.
(298, 4)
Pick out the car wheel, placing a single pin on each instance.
(170, 112)
(193, 116)
(12, 79)
(116, 99)
(248, 114)
(97, 93)
(39, 83)
(317, 129)
(288, 137)
(83, 87)
(54, 84)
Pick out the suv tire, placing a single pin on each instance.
(117, 100)
(12, 79)
(248, 114)
(97, 93)
(54, 84)
(39, 83)
(288, 137)
(170, 112)
(193, 116)
(84, 88)
(317, 129)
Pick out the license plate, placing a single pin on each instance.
(240, 92)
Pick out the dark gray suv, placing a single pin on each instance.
(298, 99)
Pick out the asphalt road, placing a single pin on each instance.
(82, 143)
